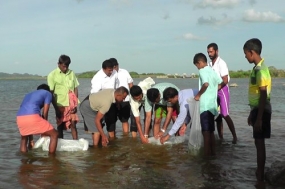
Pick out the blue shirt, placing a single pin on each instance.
(34, 101)
(208, 100)
(184, 114)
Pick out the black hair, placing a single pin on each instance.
(107, 64)
(114, 61)
(199, 57)
(64, 59)
(44, 87)
(135, 90)
(169, 92)
(152, 94)
(214, 45)
(253, 44)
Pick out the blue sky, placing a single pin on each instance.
(145, 36)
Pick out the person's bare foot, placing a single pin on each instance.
(260, 185)
(234, 141)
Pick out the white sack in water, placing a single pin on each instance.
(171, 140)
(196, 140)
(63, 144)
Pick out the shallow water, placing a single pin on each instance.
(126, 163)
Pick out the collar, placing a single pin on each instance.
(59, 71)
(260, 62)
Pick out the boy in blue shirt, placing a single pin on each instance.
(208, 84)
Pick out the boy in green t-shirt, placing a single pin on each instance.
(259, 101)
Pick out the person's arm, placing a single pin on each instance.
(98, 124)
(201, 91)
(166, 122)
(139, 126)
(96, 83)
(225, 81)
(261, 107)
(147, 122)
(130, 85)
(177, 124)
(45, 111)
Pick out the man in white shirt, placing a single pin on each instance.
(107, 78)
(221, 68)
(124, 111)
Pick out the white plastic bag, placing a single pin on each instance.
(195, 137)
(146, 84)
(63, 144)
(171, 140)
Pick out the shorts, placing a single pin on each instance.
(266, 124)
(207, 120)
(111, 117)
(33, 125)
(224, 101)
(88, 115)
(161, 111)
(125, 111)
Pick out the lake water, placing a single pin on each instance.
(126, 163)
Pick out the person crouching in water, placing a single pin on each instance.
(30, 121)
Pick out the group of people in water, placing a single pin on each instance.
(113, 96)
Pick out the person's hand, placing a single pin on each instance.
(74, 110)
(257, 125)
(160, 134)
(164, 138)
(105, 140)
(144, 140)
(197, 97)
(249, 120)
(182, 130)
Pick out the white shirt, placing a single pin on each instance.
(124, 80)
(144, 85)
(101, 81)
(220, 67)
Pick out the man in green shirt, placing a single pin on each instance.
(64, 86)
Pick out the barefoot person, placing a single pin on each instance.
(221, 68)
(64, 85)
(259, 101)
(208, 83)
(31, 121)
(95, 106)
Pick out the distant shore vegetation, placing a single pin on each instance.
(275, 73)
(233, 74)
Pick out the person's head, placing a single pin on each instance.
(170, 94)
(120, 94)
(153, 95)
(44, 87)
(212, 50)
(115, 63)
(252, 50)
(63, 63)
(108, 67)
(200, 60)
(136, 92)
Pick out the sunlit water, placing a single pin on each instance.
(126, 163)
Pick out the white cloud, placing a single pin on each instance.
(217, 3)
(190, 36)
(254, 16)
(214, 21)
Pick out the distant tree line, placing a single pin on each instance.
(233, 74)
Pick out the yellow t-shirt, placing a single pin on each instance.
(259, 77)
